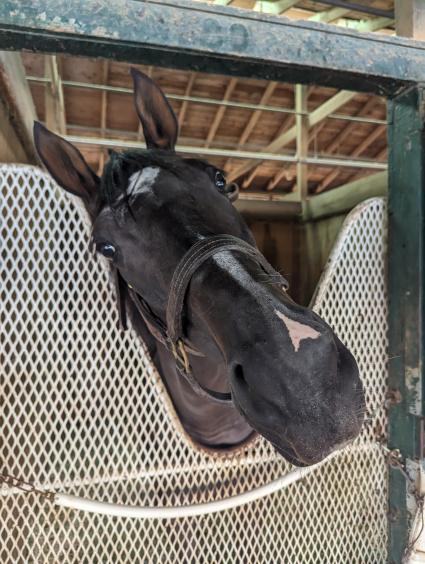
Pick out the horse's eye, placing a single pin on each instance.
(219, 180)
(106, 249)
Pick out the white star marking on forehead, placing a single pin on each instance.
(297, 331)
(142, 181)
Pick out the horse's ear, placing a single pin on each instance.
(159, 122)
(66, 164)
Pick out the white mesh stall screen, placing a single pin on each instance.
(83, 412)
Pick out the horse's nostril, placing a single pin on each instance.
(238, 378)
(238, 374)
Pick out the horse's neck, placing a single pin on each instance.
(206, 422)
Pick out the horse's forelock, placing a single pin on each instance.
(121, 166)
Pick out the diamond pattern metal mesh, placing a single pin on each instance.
(84, 412)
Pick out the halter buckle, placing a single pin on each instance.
(179, 352)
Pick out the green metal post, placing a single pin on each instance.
(406, 314)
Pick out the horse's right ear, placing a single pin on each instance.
(66, 164)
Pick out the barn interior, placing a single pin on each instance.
(303, 156)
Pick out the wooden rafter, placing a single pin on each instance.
(103, 112)
(382, 155)
(341, 137)
(54, 99)
(316, 116)
(288, 171)
(410, 18)
(17, 111)
(286, 124)
(185, 103)
(329, 16)
(351, 127)
(346, 197)
(220, 112)
(274, 7)
(301, 93)
(253, 120)
(371, 138)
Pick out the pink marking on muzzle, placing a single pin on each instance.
(297, 331)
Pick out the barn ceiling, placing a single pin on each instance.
(234, 117)
(247, 127)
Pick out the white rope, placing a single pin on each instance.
(139, 512)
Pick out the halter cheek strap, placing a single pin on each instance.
(171, 333)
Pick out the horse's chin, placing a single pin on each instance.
(289, 455)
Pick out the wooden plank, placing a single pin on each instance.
(221, 39)
(302, 124)
(328, 16)
(103, 108)
(284, 139)
(406, 303)
(220, 112)
(185, 103)
(11, 148)
(17, 112)
(367, 141)
(288, 170)
(346, 197)
(274, 7)
(287, 123)
(53, 97)
(410, 18)
(268, 210)
(255, 116)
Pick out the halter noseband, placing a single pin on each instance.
(170, 333)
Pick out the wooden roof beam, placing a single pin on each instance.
(276, 8)
(371, 138)
(103, 112)
(302, 125)
(220, 112)
(287, 123)
(410, 18)
(17, 111)
(346, 197)
(53, 96)
(185, 103)
(373, 24)
(316, 116)
(255, 116)
(343, 135)
(329, 16)
(288, 171)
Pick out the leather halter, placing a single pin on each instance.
(171, 333)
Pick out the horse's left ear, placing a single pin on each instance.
(159, 122)
(66, 164)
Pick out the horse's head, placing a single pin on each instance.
(290, 376)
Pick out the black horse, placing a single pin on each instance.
(236, 354)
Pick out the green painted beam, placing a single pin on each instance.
(343, 199)
(204, 37)
(406, 287)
